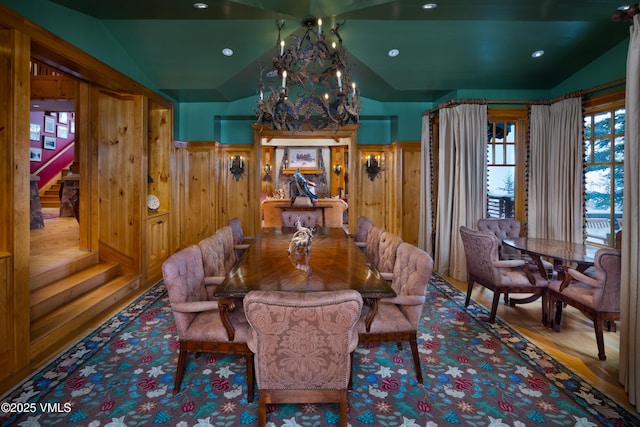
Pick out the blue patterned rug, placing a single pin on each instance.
(476, 374)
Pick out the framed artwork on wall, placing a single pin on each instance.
(303, 158)
(49, 124)
(63, 118)
(49, 142)
(34, 132)
(35, 154)
(63, 132)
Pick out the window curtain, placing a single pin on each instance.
(629, 365)
(461, 183)
(555, 171)
(425, 227)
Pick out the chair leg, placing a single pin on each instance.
(262, 409)
(494, 306)
(598, 325)
(250, 377)
(416, 358)
(469, 289)
(182, 356)
(343, 409)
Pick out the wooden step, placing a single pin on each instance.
(61, 268)
(49, 201)
(71, 321)
(54, 295)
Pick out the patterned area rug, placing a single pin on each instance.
(476, 374)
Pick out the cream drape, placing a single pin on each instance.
(629, 365)
(555, 171)
(425, 228)
(461, 183)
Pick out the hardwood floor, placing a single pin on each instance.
(574, 346)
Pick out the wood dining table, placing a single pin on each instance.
(332, 263)
(558, 251)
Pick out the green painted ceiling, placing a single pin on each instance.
(461, 44)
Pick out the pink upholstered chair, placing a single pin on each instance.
(197, 319)
(398, 318)
(303, 345)
(372, 248)
(504, 228)
(388, 248)
(597, 297)
(307, 219)
(218, 256)
(362, 230)
(500, 276)
(240, 241)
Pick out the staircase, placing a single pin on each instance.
(72, 297)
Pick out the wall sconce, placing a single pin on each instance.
(337, 168)
(267, 169)
(373, 166)
(237, 167)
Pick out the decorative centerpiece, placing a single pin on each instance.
(301, 240)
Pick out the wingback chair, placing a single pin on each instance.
(239, 239)
(197, 319)
(597, 297)
(218, 257)
(303, 345)
(307, 219)
(388, 248)
(397, 319)
(500, 276)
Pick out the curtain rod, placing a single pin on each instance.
(454, 102)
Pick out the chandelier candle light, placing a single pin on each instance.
(307, 81)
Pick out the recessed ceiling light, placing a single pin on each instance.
(623, 8)
(200, 5)
(227, 52)
(393, 52)
(429, 6)
(537, 53)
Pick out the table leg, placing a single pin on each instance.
(373, 303)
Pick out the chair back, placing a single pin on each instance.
(307, 219)
(302, 341)
(213, 255)
(362, 228)
(388, 247)
(183, 275)
(236, 229)
(230, 254)
(411, 275)
(502, 228)
(481, 251)
(607, 263)
(372, 249)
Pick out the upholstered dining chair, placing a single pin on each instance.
(197, 319)
(398, 318)
(388, 248)
(372, 248)
(308, 219)
(303, 344)
(363, 226)
(218, 257)
(597, 297)
(240, 241)
(485, 268)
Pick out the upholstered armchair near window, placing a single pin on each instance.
(388, 248)
(485, 268)
(597, 297)
(508, 228)
(303, 345)
(240, 241)
(397, 319)
(307, 219)
(197, 319)
(362, 230)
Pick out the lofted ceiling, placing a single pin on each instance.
(460, 44)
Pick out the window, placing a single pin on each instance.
(501, 169)
(604, 128)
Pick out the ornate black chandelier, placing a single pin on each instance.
(309, 85)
